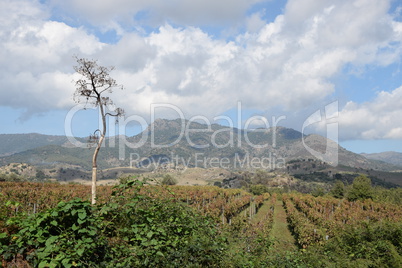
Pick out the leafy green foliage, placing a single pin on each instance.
(168, 180)
(149, 232)
(11, 177)
(338, 190)
(40, 175)
(258, 189)
(131, 230)
(388, 195)
(318, 191)
(140, 225)
(67, 235)
(361, 189)
(371, 245)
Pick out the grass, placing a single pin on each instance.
(262, 212)
(280, 232)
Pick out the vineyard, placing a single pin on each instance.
(139, 225)
(316, 220)
(222, 204)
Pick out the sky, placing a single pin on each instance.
(210, 60)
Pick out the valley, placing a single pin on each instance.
(195, 159)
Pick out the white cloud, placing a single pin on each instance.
(287, 64)
(36, 94)
(36, 57)
(377, 119)
(184, 67)
(255, 22)
(156, 12)
(394, 133)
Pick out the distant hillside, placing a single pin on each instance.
(15, 143)
(393, 158)
(222, 142)
(189, 144)
(56, 155)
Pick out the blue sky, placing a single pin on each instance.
(203, 57)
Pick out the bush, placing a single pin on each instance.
(318, 191)
(361, 189)
(131, 230)
(372, 244)
(168, 180)
(338, 190)
(65, 236)
(158, 232)
(258, 189)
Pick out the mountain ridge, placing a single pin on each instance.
(391, 157)
(15, 143)
(185, 139)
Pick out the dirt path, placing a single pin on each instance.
(284, 240)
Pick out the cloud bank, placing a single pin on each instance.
(285, 65)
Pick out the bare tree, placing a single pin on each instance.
(95, 80)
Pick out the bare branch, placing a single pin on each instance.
(94, 81)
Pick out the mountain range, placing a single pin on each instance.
(174, 139)
(394, 158)
(16, 143)
(191, 144)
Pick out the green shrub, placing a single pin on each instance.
(258, 189)
(338, 190)
(131, 230)
(65, 236)
(371, 245)
(360, 189)
(158, 232)
(168, 180)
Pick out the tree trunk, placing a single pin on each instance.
(98, 146)
(93, 192)
(94, 169)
